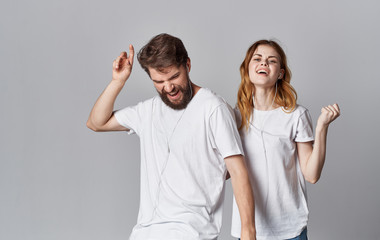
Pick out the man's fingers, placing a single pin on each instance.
(131, 54)
(123, 54)
(118, 61)
(114, 64)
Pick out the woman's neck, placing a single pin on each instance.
(264, 98)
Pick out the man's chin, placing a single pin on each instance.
(176, 106)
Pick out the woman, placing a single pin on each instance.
(278, 142)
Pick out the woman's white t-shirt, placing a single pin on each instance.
(281, 210)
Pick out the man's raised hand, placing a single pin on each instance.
(122, 66)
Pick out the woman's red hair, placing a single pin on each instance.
(286, 96)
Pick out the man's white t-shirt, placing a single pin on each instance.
(182, 165)
(281, 210)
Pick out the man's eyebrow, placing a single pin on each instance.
(171, 78)
(157, 81)
(174, 76)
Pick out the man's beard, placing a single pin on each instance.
(186, 96)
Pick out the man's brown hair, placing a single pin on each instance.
(162, 51)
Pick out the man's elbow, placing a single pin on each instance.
(91, 126)
(313, 180)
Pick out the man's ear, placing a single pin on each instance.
(188, 64)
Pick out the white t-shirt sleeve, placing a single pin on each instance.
(237, 116)
(224, 135)
(130, 117)
(304, 131)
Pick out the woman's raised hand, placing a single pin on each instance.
(328, 114)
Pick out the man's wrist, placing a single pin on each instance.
(117, 83)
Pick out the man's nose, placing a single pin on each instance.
(168, 87)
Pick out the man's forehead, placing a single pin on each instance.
(163, 69)
(163, 72)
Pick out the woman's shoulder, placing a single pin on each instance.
(300, 108)
(297, 112)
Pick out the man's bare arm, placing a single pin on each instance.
(101, 117)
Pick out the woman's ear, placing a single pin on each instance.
(281, 75)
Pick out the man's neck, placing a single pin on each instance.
(195, 88)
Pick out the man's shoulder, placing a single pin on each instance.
(147, 103)
(212, 99)
(208, 102)
(143, 107)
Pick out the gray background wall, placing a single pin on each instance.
(59, 180)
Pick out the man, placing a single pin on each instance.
(188, 142)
